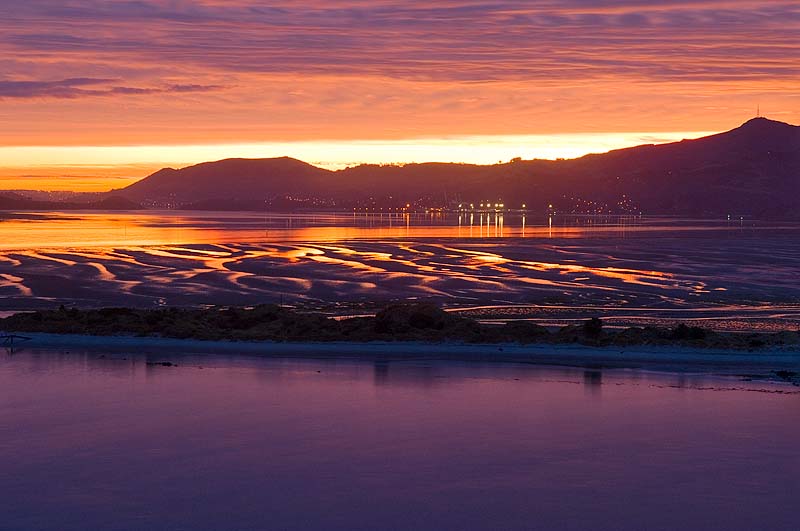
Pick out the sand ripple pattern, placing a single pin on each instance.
(637, 274)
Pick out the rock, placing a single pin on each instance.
(524, 332)
(692, 333)
(593, 327)
(400, 318)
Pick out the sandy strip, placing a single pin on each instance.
(736, 283)
(666, 358)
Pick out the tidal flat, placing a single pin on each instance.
(631, 271)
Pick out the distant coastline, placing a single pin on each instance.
(748, 172)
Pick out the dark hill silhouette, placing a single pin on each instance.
(751, 170)
(233, 179)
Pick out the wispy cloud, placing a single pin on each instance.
(78, 87)
(65, 88)
(454, 40)
(320, 69)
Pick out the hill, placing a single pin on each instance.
(249, 180)
(751, 170)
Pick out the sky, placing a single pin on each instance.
(95, 93)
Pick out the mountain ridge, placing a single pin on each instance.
(753, 169)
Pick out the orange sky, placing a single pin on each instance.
(94, 93)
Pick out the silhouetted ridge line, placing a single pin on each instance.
(752, 170)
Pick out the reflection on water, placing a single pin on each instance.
(616, 266)
(54, 229)
(102, 440)
(166, 228)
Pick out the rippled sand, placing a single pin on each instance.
(731, 277)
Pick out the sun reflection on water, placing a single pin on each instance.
(243, 258)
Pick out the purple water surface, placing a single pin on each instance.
(94, 440)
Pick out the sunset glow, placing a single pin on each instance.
(96, 168)
(95, 94)
(399, 264)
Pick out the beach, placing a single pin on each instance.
(631, 272)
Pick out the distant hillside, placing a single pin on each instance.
(14, 201)
(752, 170)
(230, 179)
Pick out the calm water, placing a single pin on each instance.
(101, 440)
(109, 229)
(737, 275)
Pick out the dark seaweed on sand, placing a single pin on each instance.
(398, 322)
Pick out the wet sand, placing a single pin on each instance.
(653, 272)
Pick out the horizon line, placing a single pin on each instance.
(75, 168)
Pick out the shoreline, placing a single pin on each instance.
(673, 358)
(419, 331)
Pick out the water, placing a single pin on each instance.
(142, 228)
(737, 275)
(101, 440)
